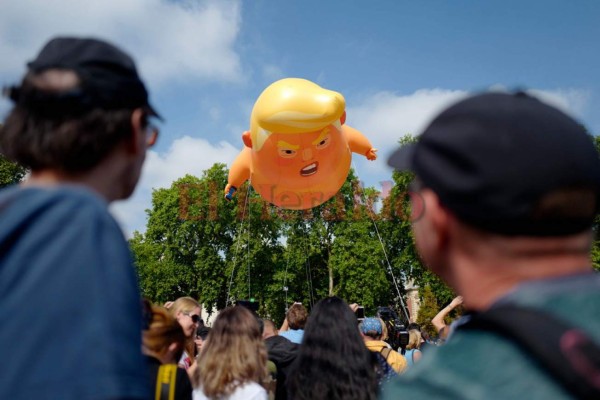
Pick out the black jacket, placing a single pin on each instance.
(282, 352)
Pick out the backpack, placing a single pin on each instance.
(565, 352)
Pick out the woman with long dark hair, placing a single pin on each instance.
(333, 362)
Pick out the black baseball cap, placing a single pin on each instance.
(493, 157)
(109, 78)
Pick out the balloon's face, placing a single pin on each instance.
(300, 171)
(301, 158)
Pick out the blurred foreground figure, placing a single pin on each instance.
(509, 189)
(69, 296)
(163, 345)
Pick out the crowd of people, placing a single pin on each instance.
(510, 188)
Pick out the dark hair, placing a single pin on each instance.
(297, 316)
(64, 141)
(413, 325)
(333, 361)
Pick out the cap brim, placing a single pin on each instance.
(402, 159)
(154, 113)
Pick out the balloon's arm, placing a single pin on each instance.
(358, 143)
(239, 172)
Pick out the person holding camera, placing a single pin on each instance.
(372, 330)
(293, 325)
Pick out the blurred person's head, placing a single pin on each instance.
(371, 328)
(297, 316)
(413, 325)
(506, 191)
(163, 339)
(333, 361)
(414, 339)
(233, 354)
(425, 336)
(81, 106)
(269, 329)
(187, 312)
(384, 329)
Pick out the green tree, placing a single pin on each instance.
(197, 244)
(333, 249)
(189, 231)
(397, 217)
(10, 172)
(596, 227)
(429, 309)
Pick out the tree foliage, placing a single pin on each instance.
(596, 227)
(353, 246)
(10, 172)
(429, 309)
(197, 244)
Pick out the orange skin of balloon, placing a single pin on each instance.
(305, 171)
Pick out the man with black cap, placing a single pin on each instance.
(510, 187)
(70, 302)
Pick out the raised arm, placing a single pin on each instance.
(438, 321)
(239, 172)
(358, 143)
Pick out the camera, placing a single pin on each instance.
(397, 332)
(251, 305)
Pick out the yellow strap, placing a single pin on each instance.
(165, 382)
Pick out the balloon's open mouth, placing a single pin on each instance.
(310, 169)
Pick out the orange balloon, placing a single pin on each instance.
(297, 153)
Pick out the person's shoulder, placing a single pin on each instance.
(474, 365)
(60, 200)
(249, 391)
(294, 335)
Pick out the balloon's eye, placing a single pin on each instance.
(324, 143)
(287, 153)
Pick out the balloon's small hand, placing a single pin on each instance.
(229, 191)
(371, 154)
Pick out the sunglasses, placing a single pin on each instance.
(195, 318)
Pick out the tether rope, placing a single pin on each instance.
(235, 254)
(387, 261)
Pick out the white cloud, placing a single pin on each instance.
(186, 155)
(385, 117)
(190, 39)
(571, 101)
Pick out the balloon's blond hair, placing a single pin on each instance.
(294, 105)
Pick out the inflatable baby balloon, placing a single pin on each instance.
(297, 152)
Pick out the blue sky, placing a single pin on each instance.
(396, 62)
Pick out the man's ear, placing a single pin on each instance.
(173, 347)
(247, 139)
(439, 218)
(431, 232)
(137, 139)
